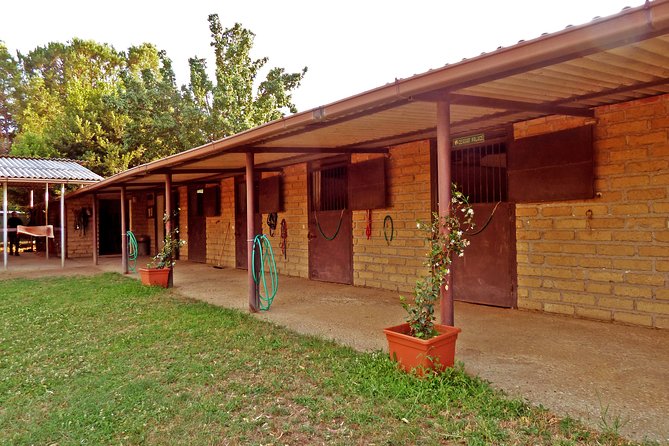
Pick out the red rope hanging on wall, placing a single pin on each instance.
(368, 229)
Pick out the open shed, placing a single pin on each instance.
(32, 172)
(561, 141)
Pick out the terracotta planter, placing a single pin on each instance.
(437, 353)
(155, 276)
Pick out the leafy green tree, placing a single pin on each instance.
(63, 111)
(9, 79)
(84, 100)
(230, 105)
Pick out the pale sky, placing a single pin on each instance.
(349, 45)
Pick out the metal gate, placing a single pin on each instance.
(330, 225)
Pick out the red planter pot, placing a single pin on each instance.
(156, 277)
(410, 352)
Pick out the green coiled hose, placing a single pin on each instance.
(132, 252)
(264, 248)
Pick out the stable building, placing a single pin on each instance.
(561, 143)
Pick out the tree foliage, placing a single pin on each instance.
(230, 105)
(9, 79)
(117, 109)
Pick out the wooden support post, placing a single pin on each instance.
(124, 235)
(250, 230)
(4, 225)
(444, 188)
(94, 217)
(62, 225)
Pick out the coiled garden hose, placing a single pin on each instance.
(132, 252)
(266, 253)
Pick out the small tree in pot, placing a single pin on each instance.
(157, 272)
(445, 237)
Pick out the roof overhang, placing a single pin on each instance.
(609, 60)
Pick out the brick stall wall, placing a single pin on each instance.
(294, 196)
(397, 265)
(183, 221)
(605, 258)
(139, 224)
(78, 244)
(221, 229)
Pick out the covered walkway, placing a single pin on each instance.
(573, 367)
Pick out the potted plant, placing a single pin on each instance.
(159, 270)
(420, 344)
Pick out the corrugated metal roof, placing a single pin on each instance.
(18, 169)
(571, 72)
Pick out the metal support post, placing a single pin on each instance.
(250, 230)
(95, 229)
(4, 225)
(46, 217)
(444, 188)
(62, 225)
(124, 235)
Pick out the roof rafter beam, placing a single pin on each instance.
(505, 104)
(204, 170)
(336, 150)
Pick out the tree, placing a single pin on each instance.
(9, 79)
(62, 109)
(230, 106)
(84, 100)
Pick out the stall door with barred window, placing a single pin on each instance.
(330, 225)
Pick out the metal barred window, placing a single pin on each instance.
(329, 189)
(480, 172)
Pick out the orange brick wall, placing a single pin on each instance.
(294, 186)
(78, 244)
(605, 258)
(221, 229)
(397, 265)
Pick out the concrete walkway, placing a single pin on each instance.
(573, 367)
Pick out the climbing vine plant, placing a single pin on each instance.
(445, 237)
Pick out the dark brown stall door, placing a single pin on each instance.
(487, 272)
(330, 226)
(197, 225)
(241, 247)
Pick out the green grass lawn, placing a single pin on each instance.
(104, 360)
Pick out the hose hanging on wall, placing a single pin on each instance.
(318, 225)
(132, 252)
(262, 244)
